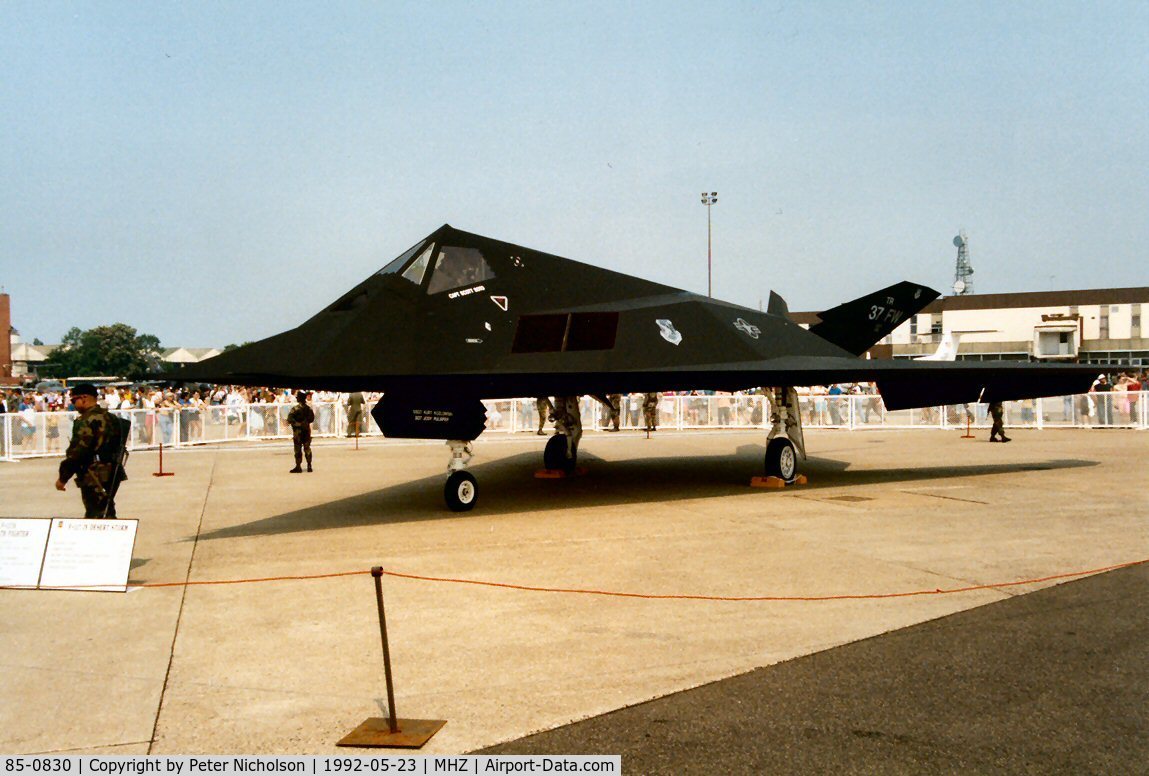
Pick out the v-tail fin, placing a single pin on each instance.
(859, 325)
(777, 305)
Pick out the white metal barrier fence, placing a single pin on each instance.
(35, 434)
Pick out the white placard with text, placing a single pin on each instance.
(89, 554)
(22, 542)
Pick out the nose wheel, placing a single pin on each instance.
(461, 491)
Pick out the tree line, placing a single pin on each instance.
(105, 350)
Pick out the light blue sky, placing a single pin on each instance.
(217, 172)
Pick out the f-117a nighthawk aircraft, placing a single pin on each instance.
(459, 318)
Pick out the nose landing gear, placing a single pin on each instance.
(461, 490)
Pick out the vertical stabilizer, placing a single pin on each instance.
(858, 325)
(777, 305)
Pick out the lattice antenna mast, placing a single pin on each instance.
(963, 273)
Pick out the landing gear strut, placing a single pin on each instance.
(784, 442)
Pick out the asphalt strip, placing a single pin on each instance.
(1056, 681)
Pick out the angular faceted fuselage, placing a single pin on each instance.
(465, 314)
(460, 317)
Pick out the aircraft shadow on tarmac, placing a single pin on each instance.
(508, 486)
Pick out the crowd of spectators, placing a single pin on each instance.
(1112, 400)
(154, 408)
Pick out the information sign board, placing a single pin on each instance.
(22, 543)
(88, 554)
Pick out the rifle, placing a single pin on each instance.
(121, 458)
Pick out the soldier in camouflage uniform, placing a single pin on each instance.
(300, 419)
(615, 403)
(997, 412)
(544, 408)
(650, 410)
(355, 404)
(96, 454)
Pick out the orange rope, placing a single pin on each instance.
(645, 596)
(187, 583)
(846, 597)
(245, 581)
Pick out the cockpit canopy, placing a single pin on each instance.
(429, 264)
(439, 268)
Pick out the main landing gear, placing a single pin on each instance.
(561, 452)
(784, 442)
(781, 460)
(555, 454)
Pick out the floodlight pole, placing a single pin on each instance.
(709, 199)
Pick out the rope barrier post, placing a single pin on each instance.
(967, 434)
(161, 472)
(377, 573)
(391, 732)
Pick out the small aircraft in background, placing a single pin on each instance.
(459, 318)
(948, 347)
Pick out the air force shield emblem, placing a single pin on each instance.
(745, 326)
(668, 332)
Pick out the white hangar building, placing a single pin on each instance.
(1096, 326)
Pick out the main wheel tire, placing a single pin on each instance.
(461, 491)
(782, 460)
(555, 454)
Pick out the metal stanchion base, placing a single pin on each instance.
(376, 732)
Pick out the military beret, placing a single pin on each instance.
(84, 389)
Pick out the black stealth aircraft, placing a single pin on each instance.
(459, 318)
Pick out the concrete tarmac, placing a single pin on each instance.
(291, 666)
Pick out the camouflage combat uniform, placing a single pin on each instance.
(650, 410)
(94, 459)
(544, 408)
(997, 412)
(615, 400)
(300, 419)
(355, 403)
